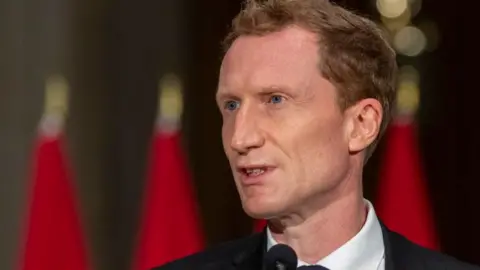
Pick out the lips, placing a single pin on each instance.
(253, 174)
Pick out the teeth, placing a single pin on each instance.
(255, 172)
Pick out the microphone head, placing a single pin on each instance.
(281, 257)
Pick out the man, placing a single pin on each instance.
(306, 89)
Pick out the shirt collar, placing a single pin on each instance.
(364, 251)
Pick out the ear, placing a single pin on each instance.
(364, 120)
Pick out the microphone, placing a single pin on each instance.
(281, 257)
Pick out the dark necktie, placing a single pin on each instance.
(312, 267)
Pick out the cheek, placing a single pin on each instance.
(320, 150)
(226, 135)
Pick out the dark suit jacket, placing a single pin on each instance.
(247, 254)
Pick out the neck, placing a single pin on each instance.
(315, 235)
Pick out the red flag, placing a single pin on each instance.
(170, 226)
(403, 202)
(54, 239)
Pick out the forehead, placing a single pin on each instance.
(286, 58)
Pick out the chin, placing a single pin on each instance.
(259, 208)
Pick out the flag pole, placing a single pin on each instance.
(54, 238)
(170, 224)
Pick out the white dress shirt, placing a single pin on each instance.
(365, 251)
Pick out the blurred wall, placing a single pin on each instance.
(121, 51)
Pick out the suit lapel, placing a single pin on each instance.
(397, 251)
(389, 262)
(251, 257)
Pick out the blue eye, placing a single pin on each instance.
(275, 99)
(231, 105)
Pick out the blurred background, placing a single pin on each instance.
(113, 55)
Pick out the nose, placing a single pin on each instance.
(247, 134)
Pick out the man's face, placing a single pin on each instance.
(283, 131)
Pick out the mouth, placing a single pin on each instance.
(253, 174)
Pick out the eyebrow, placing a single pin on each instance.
(222, 95)
(275, 88)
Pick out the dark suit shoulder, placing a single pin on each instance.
(215, 258)
(406, 253)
